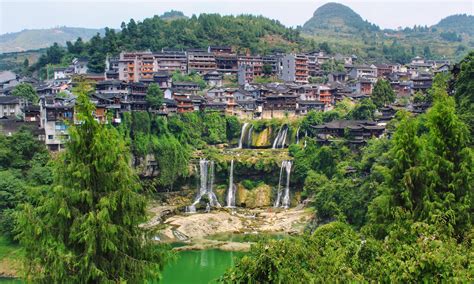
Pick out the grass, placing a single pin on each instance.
(9, 256)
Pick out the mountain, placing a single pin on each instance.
(461, 23)
(338, 18)
(173, 15)
(40, 38)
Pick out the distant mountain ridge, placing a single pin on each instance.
(461, 23)
(30, 39)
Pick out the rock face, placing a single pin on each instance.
(258, 197)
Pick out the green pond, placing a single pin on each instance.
(199, 266)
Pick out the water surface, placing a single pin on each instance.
(201, 266)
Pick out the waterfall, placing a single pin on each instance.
(206, 170)
(276, 139)
(286, 197)
(232, 189)
(242, 134)
(210, 187)
(280, 139)
(298, 135)
(249, 137)
(285, 165)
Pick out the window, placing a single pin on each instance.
(50, 137)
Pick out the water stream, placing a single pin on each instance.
(280, 139)
(206, 171)
(242, 134)
(232, 189)
(285, 203)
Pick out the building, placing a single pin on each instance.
(363, 71)
(201, 62)
(422, 83)
(213, 79)
(171, 61)
(56, 114)
(355, 131)
(294, 68)
(79, 65)
(279, 106)
(11, 106)
(326, 95)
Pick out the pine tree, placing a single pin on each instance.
(87, 228)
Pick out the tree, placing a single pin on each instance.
(86, 229)
(26, 91)
(365, 110)
(324, 46)
(464, 90)
(267, 70)
(154, 96)
(382, 94)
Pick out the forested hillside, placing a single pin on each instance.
(348, 33)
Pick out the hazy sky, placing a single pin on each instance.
(16, 15)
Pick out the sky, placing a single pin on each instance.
(16, 15)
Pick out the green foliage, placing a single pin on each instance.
(464, 91)
(232, 127)
(86, 228)
(172, 158)
(26, 91)
(191, 77)
(154, 96)
(383, 93)
(365, 110)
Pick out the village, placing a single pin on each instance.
(246, 86)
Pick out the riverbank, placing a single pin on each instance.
(196, 230)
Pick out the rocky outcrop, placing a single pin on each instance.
(258, 197)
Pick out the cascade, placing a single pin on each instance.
(210, 187)
(231, 191)
(285, 165)
(280, 139)
(283, 140)
(286, 197)
(206, 171)
(249, 137)
(242, 134)
(276, 139)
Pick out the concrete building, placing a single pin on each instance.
(10, 106)
(295, 68)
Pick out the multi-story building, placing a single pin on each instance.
(128, 68)
(171, 61)
(201, 61)
(325, 95)
(295, 68)
(56, 115)
(363, 71)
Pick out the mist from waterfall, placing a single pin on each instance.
(206, 172)
(285, 203)
(232, 189)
